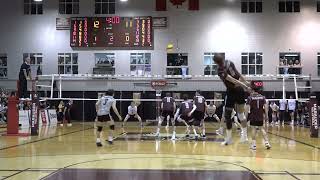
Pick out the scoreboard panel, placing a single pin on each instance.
(122, 32)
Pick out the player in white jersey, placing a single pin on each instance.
(132, 114)
(103, 107)
(292, 109)
(275, 112)
(282, 111)
(211, 112)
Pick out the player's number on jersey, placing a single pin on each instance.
(168, 100)
(187, 105)
(200, 100)
(105, 101)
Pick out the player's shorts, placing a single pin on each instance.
(132, 117)
(256, 123)
(189, 120)
(235, 96)
(291, 111)
(104, 118)
(165, 114)
(60, 116)
(198, 115)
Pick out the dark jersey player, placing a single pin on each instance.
(258, 109)
(184, 114)
(168, 107)
(235, 96)
(199, 113)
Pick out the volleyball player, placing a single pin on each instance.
(258, 112)
(184, 115)
(282, 111)
(200, 102)
(211, 112)
(67, 113)
(60, 115)
(235, 98)
(168, 107)
(292, 109)
(275, 112)
(103, 107)
(132, 114)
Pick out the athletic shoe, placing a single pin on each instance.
(292, 123)
(99, 144)
(196, 137)
(244, 136)
(226, 142)
(61, 125)
(204, 136)
(173, 136)
(110, 142)
(167, 127)
(267, 144)
(253, 147)
(69, 125)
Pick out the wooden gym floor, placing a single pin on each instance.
(71, 153)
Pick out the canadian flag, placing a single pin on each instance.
(161, 5)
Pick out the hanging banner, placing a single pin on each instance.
(313, 115)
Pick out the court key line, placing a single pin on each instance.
(244, 167)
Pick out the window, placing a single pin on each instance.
(318, 6)
(33, 7)
(105, 6)
(68, 63)
(177, 64)
(69, 6)
(140, 64)
(3, 66)
(251, 6)
(35, 62)
(318, 64)
(289, 6)
(289, 63)
(104, 63)
(210, 68)
(251, 63)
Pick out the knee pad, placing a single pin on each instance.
(227, 116)
(99, 128)
(242, 117)
(112, 127)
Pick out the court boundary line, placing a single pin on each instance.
(14, 174)
(291, 175)
(244, 167)
(306, 144)
(39, 140)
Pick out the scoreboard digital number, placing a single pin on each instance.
(122, 32)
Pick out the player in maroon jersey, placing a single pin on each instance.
(199, 113)
(184, 115)
(258, 110)
(235, 96)
(168, 107)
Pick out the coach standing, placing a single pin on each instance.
(24, 76)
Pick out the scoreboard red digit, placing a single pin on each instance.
(122, 32)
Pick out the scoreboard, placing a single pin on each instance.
(121, 32)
